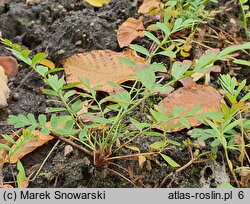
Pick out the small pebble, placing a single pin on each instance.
(15, 96)
(68, 150)
(61, 52)
(86, 161)
(49, 176)
(60, 7)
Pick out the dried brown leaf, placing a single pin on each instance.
(131, 29)
(4, 90)
(100, 67)
(25, 183)
(10, 65)
(2, 2)
(141, 161)
(6, 186)
(148, 5)
(245, 177)
(189, 97)
(35, 142)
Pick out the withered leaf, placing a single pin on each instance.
(4, 90)
(6, 186)
(10, 65)
(100, 67)
(131, 29)
(148, 5)
(35, 142)
(141, 161)
(2, 2)
(190, 96)
(245, 176)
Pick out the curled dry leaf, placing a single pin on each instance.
(4, 90)
(141, 161)
(129, 30)
(100, 67)
(10, 65)
(8, 68)
(188, 97)
(148, 5)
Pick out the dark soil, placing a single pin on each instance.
(62, 28)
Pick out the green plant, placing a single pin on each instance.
(230, 127)
(17, 142)
(107, 121)
(99, 136)
(245, 15)
(21, 176)
(194, 9)
(12, 146)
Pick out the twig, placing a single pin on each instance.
(181, 168)
(44, 161)
(12, 172)
(71, 143)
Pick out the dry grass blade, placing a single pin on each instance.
(10, 65)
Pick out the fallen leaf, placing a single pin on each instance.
(141, 160)
(190, 96)
(132, 148)
(6, 186)
(35, 142)
(100, 67)
(2, 2)
(25, 183)
(10, 66)
(148, 5)
(97, 3)
(131, 29)
(4, 90)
